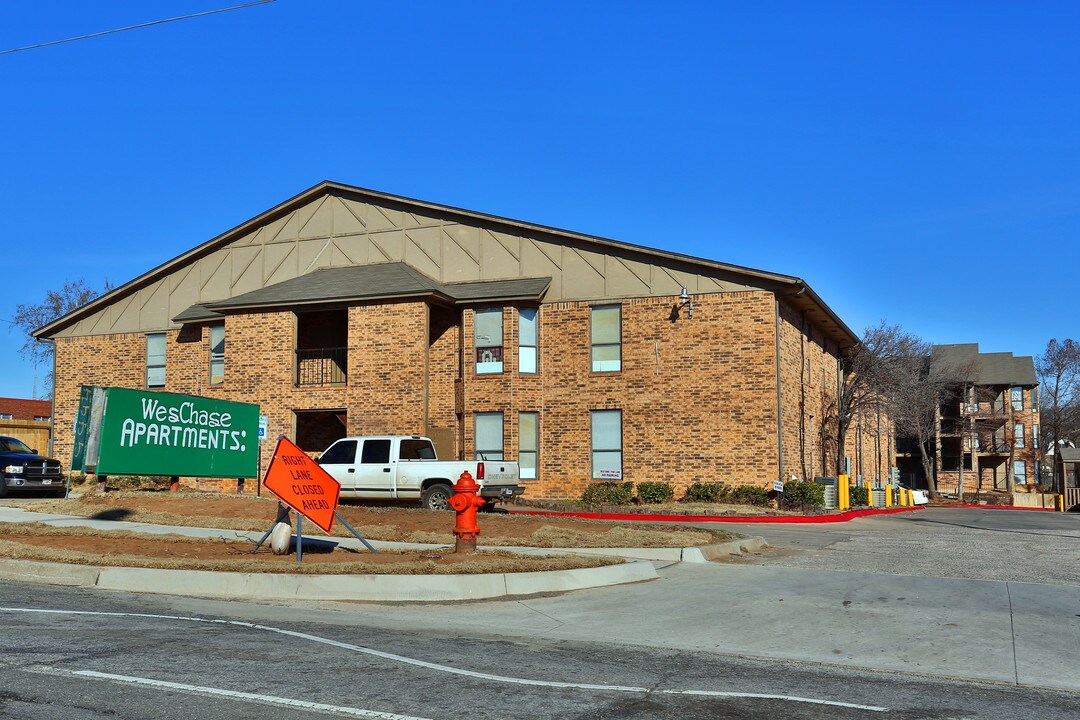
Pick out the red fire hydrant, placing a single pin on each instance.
(466, 502)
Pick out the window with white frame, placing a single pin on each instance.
(488, 340)
(527, 340)
(42, 418)
(1018, 435)
(1017, 398)
(155, 360)
(606, 426)
(217, 353)
(605, 330)
(5, 416)
(528, 444)
(1035, 435)
(488, 435)
(1019, 472)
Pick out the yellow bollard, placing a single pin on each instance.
(843, 495)
(1061, 503)
(888, 496)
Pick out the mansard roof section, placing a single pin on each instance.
(998, 368)
(332, 225)
(366, 283)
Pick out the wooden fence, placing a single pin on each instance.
(35, 433)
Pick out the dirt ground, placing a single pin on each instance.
(121, 548)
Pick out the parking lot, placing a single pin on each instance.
(971, 543)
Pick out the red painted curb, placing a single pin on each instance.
(838, 517)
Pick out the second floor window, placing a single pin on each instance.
(1035, 436)
(488, 340)
(527, 341)
(605, 330)
(1018, 435)
(155, 360)
(217, 354)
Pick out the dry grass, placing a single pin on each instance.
(69, 545)
(390, 524)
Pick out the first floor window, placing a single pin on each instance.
(217, 354)
(488, 434)
(155, 360)
(488, 340)
(606, 444)
(1035, 435)
(1020, 472)
(528, 444)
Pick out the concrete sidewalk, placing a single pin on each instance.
(377, 587)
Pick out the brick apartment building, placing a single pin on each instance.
(347, 311)
(987, 430)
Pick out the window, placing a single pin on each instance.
(416, 450)
(1018, 435)
(488, 431)
(973, 442)
(1035, 435)
(340, 453)
(5, 416)
(1017, 398)
(42, 418)
(376, 452)
(1035, 398)
(527, 337)
(606, 337)
(488, 340)
(155, 360)
(606, 444)
(528, 444)
(1019, 472)
(217, 354)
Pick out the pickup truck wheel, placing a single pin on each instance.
(437, 497)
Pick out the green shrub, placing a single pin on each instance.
(858, 496)
(608, 493)
(750, 495)
(798, 493)
(655, 492)
(706, 492)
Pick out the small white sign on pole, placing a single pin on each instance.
(778, 485)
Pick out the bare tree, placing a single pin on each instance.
(1058, 369)
(28, 318)
(869, 376)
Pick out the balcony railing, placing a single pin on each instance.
(321, 366)
(995, 447)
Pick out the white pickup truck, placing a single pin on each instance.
(399, 467)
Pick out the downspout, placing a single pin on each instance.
(779, 399)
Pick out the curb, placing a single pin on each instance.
(285, 586)
(837, 517)
(996, 507)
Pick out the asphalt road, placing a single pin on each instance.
(970, 543)
(150, 657)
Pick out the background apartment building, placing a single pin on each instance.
(346, 311)
(987, 428)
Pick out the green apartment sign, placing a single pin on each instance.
(157, 433)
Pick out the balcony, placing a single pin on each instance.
(318, 367)
(994, 447)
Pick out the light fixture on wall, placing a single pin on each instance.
(685, 301)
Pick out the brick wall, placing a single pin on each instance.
(698, 396)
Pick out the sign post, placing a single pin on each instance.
(301, 484)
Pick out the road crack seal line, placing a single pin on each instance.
(447, 668)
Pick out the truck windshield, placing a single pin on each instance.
(416, 450)
(11, 445)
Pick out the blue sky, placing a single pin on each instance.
(914, 162)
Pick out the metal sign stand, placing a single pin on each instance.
(283, 515)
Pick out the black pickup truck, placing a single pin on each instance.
(22, 468)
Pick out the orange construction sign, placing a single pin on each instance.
(302, 484)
